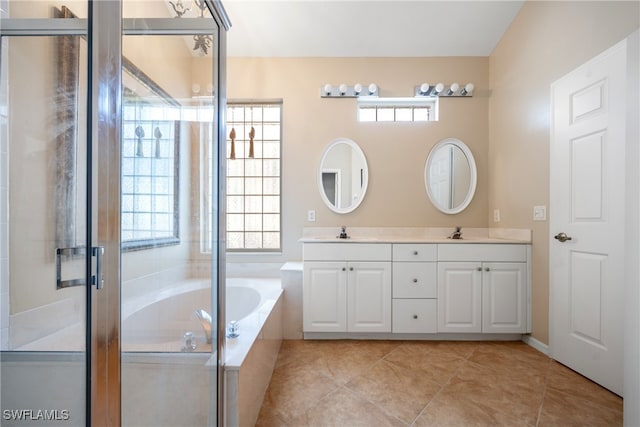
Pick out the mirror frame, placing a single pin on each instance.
(365, 175)
(473, 174)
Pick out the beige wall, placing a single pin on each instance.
(545, 41)
(396, 152)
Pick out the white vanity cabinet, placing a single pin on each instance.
(414, 288)
(347, 287)
(483, 288)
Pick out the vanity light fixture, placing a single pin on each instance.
(442, 90)
(424, 89)
(467, 89)
(346, 91)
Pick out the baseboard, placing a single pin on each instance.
(538, 345)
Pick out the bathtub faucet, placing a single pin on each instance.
(206, 322)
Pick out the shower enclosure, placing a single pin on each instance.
(110, 116)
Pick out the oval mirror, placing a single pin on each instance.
(343, 176)
(450, 176)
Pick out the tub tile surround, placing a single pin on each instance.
(250, 358)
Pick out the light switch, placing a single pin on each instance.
(539, 213)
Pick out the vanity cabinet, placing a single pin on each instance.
(483, 288)
(414, 288)
(347, 288)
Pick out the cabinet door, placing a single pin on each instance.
(325, 297)
(369, 297)
(459, 297)
(503, 297)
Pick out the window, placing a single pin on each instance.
(150, 144)
(253, 176)
(398, 109)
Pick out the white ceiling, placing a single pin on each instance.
(366, 28)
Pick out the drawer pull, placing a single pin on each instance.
(344, 269)
(415, 280)
(487, 269)
(415, 252)
(350, 268)
(415, 316)
(479, 268)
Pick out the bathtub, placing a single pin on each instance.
(149, 334)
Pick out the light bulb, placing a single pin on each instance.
(343, 89)
(453, 89)
(468, 88)
(327, 89)
(424, 88)
(439, 88)
(372, 88)
(357, 88)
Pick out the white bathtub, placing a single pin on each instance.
(154, 325)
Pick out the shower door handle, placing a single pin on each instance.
(97, 279)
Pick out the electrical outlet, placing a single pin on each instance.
(311, 216)
(496, 215)
(539, 213)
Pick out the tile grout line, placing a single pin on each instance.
(443, 386)
(544, 392)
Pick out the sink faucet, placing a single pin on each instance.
(205, 321)
(343, 233)
(457, 235)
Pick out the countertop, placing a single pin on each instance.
(416, 235)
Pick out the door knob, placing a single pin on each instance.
(562, 237)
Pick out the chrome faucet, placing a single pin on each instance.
(343, 233)
(206, 322)
(457, 235)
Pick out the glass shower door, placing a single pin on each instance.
(45, 263)
(105, 180)
(169, 275)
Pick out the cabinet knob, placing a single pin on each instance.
(479, 268)
(415, 280)
(415, 316)
(344, 269)
(415, 252)
(350, 268)
(487, 269)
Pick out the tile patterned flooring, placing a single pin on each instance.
(429, 383)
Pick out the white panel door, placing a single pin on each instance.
(324, 297)
(459, 297)
(369, 297)
(587, 218)
(504, 303)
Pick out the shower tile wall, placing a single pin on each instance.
(4, 198)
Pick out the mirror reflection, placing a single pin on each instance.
(343, 176)
(450, 176)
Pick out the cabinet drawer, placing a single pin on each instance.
(415, 252)
(346, 251)
(482, 252)
(414, 316)
(415, 279)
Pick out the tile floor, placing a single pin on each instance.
(425, 383)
